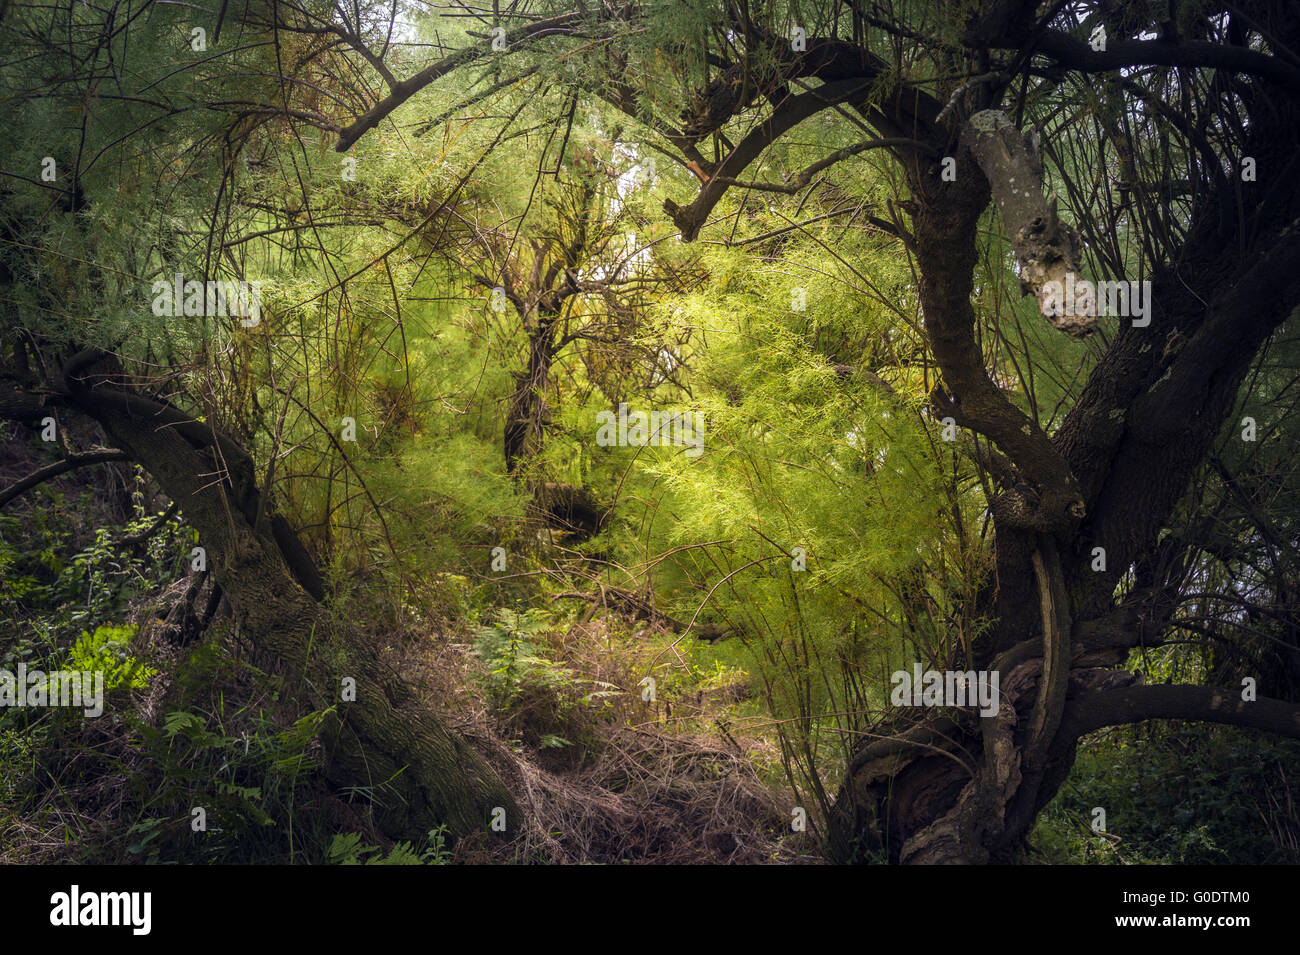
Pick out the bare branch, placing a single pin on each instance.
(70, 463)
(405, 89)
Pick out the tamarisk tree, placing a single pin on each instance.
(1130, 143)
(1129, 170)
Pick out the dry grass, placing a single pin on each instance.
(655, 798)
(636, 791)
(629, 789)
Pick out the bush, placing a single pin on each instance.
(1189, 794)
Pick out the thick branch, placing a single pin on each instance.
(1055, 608)
(1076, 54)
(802, 179)
(1154, 447)
(1174, 702)
(1047, 249)
(792, 112)
(23, 406)
(944, 228)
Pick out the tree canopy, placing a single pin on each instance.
(886, 411)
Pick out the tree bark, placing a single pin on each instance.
(386, 743)
(526, 414)
(965, 789)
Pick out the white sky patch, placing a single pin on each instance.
(409, 21)
(640, 172)
(630, 257)
(667, 361)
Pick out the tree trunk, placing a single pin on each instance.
(929, 788)
(386, 742)
(526, 414)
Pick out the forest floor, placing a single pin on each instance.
(552, 698)
(552, 692)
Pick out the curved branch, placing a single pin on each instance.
(1176, 702)
(791, 113)
(803, 178)
(1055, 607)
(944, 226)
(1075, 54)
(71, 462)
(922, 734)
(93, 398)
(405, 89)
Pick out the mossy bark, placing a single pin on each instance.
(385, 743)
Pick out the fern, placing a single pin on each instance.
(348, 849)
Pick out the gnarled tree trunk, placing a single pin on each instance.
(387, 742)
(967, 789)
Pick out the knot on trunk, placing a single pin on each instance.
(1048, 250)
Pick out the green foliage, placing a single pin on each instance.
(347, 849)
(56, 591)
(799, 456)
(794, 328)
(1185, 794)
(541, 701)
(245, 781)
(253, 772)
(108, 650)
(516, 663)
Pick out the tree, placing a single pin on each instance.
(1041, 165)
(86, 333)
(1188, 186)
